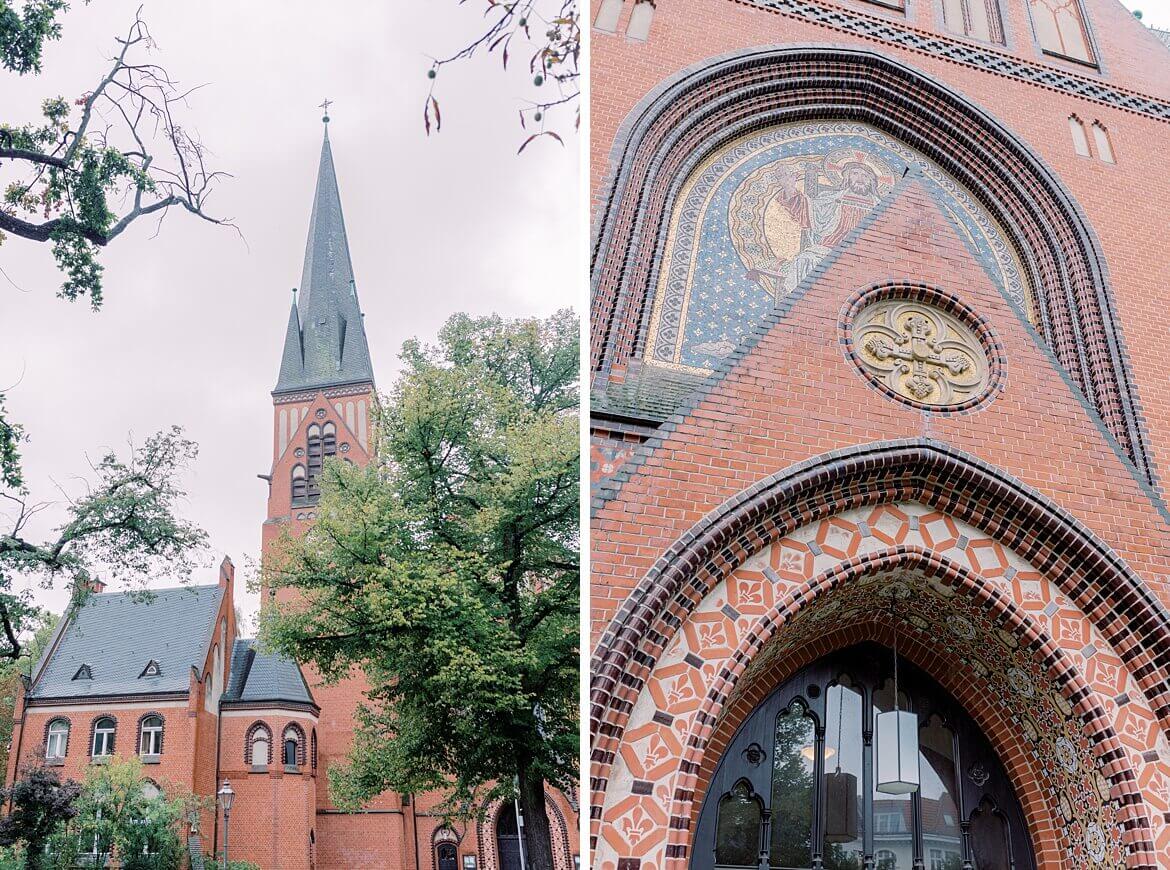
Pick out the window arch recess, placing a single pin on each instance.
(984, 800)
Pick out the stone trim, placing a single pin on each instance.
(697, 111)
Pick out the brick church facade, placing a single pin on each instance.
(168, 679)
(879, 393)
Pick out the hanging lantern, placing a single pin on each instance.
(897, 751)
(896, 740)
(840, 807)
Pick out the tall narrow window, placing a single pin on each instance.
(1080, 141)
(978, 19)
(793, 769)
(57, 740)
(329, 439)
(258, 742)
(316, 457)
(939, 794)
(608, 14)
(893, 814)
(640, 18)
(299, 484)
(737, 833)
(150, 736)
(1102, 141)
(103, 737)
(1060, 29)
(291, 747)
(844, 848)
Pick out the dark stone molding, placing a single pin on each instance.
(1095, 578)
(696, 112)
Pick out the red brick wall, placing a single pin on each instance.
(796, 396)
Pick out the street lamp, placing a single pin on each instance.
(226, 796)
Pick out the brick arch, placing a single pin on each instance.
(301, 742)
(729, 702)
(251, 733)
(49, 723)
(489, 858)
(697, 111)
(138, 731)
(929, 472)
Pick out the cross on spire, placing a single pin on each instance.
(325, 105)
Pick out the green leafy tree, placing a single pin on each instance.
(41, 803)
(125, 525)
(448, 571)
(122, 817)
(92, 166)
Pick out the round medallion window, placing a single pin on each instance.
(922, 348)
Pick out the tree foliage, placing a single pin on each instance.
(124, 525)
(547, 34)
(120, 143)
(41, 804)
(448, 571)
(124, 819)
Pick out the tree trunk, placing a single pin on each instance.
(537, 840)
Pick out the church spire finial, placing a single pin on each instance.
(325, 106)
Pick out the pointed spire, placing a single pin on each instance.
(325, 343)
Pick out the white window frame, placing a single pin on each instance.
(58, 733)
(150, 735)
(108, 733)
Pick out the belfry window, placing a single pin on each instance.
(796, 788)
(1060, 29)
(299, 484)
(978, 19)
(315, 449)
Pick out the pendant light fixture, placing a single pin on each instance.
(897, 736)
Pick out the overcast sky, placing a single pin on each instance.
(193, 321)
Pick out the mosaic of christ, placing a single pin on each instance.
(785, 217)
(753, 221)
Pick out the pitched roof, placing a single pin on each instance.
(258, 676)
(118, 633)
(325, 341)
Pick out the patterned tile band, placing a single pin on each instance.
(992, 61)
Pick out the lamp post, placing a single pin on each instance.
(226, 796)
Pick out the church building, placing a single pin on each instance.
(880, 429)
(166, 677)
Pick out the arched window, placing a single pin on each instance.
(293, 746)
(1060, 29)
(329, 439)
(978, 19)
(508, 836)
(640, 18)
(257, 746)
(446, 856)
(1103, 142)
(800, 774)
(313, 750)
(57, 740)
(608, 14)
(315, 459)
(150, 736)
(1080, 141)
(104, 730)
(300, 489)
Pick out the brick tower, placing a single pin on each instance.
(878, 338)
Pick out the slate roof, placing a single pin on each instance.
(325, 340)
(118, 633)
(257, 676)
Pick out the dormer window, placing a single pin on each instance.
(83, 673)
(151, 670)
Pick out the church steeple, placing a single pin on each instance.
(325, 344)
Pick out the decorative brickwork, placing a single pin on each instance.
(161, 737)
(68, 734)
(694, 114)
(249, 736)
(299, 733)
